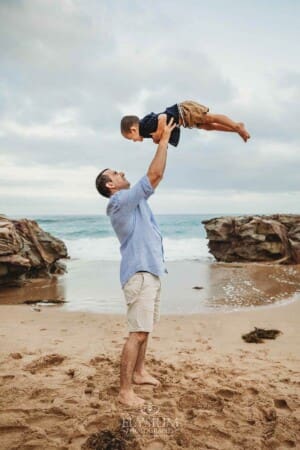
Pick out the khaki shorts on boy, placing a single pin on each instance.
(142, 294)
(192, 113)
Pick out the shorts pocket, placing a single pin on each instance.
(133, 287)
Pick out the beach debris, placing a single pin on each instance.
(70, 373)
(27, 251)
(198, 287)
(43, 302)
(259, 334)
(111, 440)
(274, 238)
(105, 440)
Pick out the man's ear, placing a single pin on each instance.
(110, 185)
(133, 129)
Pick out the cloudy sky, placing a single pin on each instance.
(70, 69)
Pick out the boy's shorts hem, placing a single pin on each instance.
(192, 113)
(142, 295)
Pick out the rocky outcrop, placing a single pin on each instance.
(255, 238)
(27, 251)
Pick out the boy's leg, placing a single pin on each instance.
(221, 119)
(128, 362)
(140, 374)
(216, 127)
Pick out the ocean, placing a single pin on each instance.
(91, 238)
(195, 282)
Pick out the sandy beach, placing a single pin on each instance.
(59, 381)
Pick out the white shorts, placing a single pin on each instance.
(142, 294)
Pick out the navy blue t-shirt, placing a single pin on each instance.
(149, 123)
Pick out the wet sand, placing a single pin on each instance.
(94, 286)
(59, 378)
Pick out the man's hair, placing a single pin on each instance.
(127, 122)
(101, 181)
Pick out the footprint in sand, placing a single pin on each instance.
(16, 355)
(227, 393)
(43, 362)
(281, 403)
(289, 443)
(253, 390)
(156, 445)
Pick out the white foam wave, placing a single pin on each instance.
(107, 249)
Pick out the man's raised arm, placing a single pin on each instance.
(157, 167)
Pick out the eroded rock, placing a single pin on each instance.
(27, 251)
(255, 238)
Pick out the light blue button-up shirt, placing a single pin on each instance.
(136, 228)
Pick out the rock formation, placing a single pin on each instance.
(27, 251)
(255, 238)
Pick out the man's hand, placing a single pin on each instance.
(156, 137)
(169, 127)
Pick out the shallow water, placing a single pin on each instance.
(94, 286)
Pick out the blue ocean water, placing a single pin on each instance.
(92, 237)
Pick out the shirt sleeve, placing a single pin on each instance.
(148, 124)
(128, 199)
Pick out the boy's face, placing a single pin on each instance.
(133, 134)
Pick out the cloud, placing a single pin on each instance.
(70, 71)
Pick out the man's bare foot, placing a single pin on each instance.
(145, 378)
(243, 132)
(130, 399)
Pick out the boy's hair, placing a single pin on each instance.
(127, 122)
(101, 181)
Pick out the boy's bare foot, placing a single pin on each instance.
(145, 378)
(243, 132)
(130, 399)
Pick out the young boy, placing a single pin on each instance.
(188, 114)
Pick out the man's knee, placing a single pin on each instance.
(139, 336)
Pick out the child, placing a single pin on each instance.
(188, 114)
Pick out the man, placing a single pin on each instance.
(141, 262)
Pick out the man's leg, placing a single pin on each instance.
(140, 374)
(225, 121)
(128, 362)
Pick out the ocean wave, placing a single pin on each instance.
(107, 249)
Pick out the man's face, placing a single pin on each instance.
(133, 135)
(118, 180)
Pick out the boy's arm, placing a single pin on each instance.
(162, 122)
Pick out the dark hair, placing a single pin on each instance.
(101, 181)
(127, 122)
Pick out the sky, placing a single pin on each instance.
(70, 69)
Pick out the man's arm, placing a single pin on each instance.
(161, 123)
(157, 167)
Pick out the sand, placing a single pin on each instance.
(59, 381)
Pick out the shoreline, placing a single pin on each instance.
(190, 287)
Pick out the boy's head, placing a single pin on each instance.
(130, 128)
